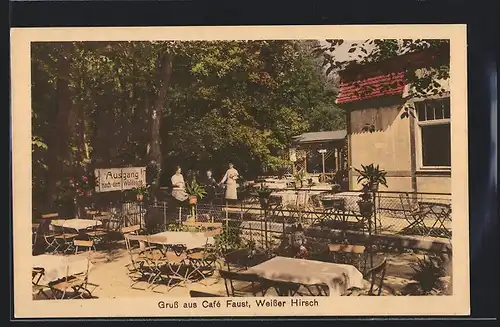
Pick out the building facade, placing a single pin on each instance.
(406, 134)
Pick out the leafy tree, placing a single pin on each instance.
(161, 104)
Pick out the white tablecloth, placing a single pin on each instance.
(59, 266)
(287, 197)
(338, 277)
(249, 225)
(275, 183)
(350, 200)
(78, 224)
(188, 239)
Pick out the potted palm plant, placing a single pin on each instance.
(140, 192)
(264, 193)
(372, 176)
(195, 192)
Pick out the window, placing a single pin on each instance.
(434, 134)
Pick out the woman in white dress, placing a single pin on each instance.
(178, 186)
(230, 179)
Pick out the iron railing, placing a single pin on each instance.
(269, 228)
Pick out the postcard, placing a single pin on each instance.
(240, 171)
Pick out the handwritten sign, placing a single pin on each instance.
(119, 179)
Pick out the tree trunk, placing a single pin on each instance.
(155, 157)
(58, 143)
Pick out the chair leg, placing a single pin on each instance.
(44, 294)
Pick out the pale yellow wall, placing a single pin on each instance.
(389, 148)
(396, 184)
(434, 184)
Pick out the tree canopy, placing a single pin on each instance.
(194, 104)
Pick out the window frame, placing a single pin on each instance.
(418, 136)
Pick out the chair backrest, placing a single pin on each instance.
(50, 215)
(130, 229)
(45, 221)
(347, 248)
(202, 294)
(235, 257)
(377, 272)
(127, 243)
(407, 204)
(36, 275)
(91, 213)
(230, 276)
(83, 243)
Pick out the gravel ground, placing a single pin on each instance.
(109, 272)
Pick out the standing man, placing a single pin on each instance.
(230, 179)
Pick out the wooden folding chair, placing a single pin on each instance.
(91, 213)
(236, 260)
(47, 233)
(37, 287)
(78, 244)
(413, 214)
(135, 230)
(193, 293)
(313, 290)
(64, 238)
(356, 251)
(76, 284)
(376, 277)
(174, 269)
(36, 275)
(97, 235)
(34, 236)
(441, 213)
(252, 283)
(139, 267)
(202, 262)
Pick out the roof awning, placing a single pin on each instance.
(317, 137)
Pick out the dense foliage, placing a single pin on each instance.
(161, 104)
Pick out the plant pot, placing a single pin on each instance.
(139, 197)
(336, 188)
(264, 202)
(193, 199)
(365, 208)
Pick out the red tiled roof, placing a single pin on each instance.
(373, 87)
